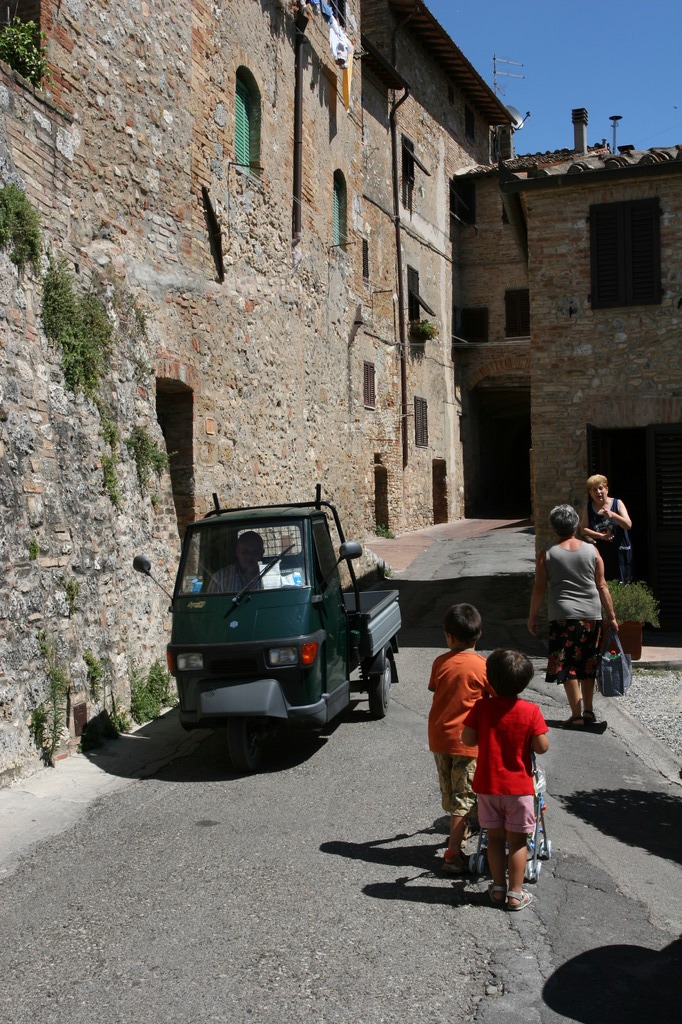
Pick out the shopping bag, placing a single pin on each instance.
(614, 668)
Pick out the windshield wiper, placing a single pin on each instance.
(247, 586)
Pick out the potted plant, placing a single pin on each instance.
(423, 330)
(634, 604)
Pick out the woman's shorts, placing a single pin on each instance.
(573, 649)
(455, 776)
(513, 812)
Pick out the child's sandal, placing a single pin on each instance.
(524, 898)
(492, 889)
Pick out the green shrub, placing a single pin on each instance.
(49, 718)
(79, 326)
(33, 549)
(634, 602)
(19, 227)
(383, 531)
(150, 693)
(21, 47)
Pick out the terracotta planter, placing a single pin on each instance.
(630, 636)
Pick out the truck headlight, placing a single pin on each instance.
(279, 656)
(192, 661)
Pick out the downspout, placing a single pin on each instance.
(300, 25)
(399, 268)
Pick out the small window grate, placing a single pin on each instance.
(365, 259)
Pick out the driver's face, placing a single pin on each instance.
(248, 552)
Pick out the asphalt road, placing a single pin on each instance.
(186, 893)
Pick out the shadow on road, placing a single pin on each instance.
(628, 984)
(502, 600)
(636, 817)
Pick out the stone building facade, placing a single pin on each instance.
(604, 236)
(225, 188)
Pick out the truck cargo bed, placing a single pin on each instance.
(377, 620)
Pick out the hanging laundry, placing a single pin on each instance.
(327, 12)
(339, 43)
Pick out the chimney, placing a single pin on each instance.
(579, 117)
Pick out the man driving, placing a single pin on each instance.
(248, 553)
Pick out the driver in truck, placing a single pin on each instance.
(248, 553)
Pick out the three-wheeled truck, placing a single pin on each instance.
(274, 641)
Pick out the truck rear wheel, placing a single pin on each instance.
(245, 743)
(379, 690)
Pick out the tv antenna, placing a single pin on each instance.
(498, 90)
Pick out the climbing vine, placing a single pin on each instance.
(147, 454)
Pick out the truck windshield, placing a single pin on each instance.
(225, 557)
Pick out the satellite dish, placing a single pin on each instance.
(517, 119)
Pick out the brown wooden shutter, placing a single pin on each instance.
(369, 385)
(517, 313)
(625, 247)
(421, 423)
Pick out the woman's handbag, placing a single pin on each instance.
(614, 668)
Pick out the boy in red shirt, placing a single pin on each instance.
(458, 680)
(506, 728)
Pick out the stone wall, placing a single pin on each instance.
(241, 356)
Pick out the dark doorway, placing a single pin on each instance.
(175, 413)
(380, 494)
(644, 468)
(439, 474)
(497, 453)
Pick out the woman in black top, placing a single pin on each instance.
(604, 522)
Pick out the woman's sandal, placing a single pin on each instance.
(575, 722)
(524, 898)
(492, 889)
(589, 717)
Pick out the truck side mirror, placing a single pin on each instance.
(142, 564)
(350, 549)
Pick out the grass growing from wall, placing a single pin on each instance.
(149, 458)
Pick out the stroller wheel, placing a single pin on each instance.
(473, 860)
(480, 866)
(547, 853)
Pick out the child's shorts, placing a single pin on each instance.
(513, 812)
(455, 776)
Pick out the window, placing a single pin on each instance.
(247, 121)
(517, 313)
(368, 385)
(625, 253)
(463, 200)
(410, 161)
(408, 173)
(413, 307)
(415, 303)
(24, 10)
(469, 123)
(421, 423)
(339, 235)
(339, 9)
(365, 260)
(475, 324)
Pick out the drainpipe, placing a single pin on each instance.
(300, 26)
(399, 269)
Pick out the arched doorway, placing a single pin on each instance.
(497, 452)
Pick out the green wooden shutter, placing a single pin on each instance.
(242, 133)
(336, 214)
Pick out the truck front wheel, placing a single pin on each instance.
(379, 690)
(245, 743)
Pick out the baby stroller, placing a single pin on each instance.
(539, 846)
